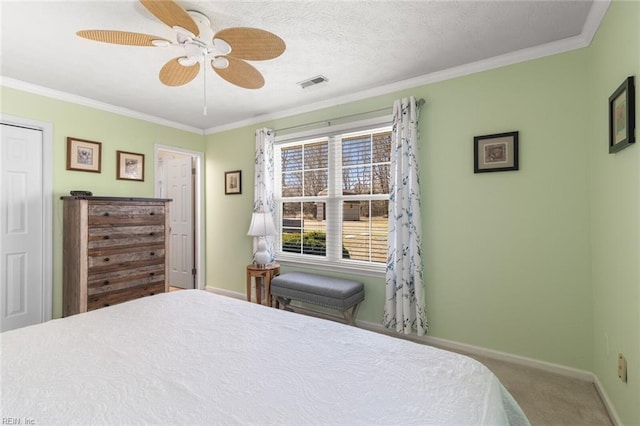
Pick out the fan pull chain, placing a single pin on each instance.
(204, 80)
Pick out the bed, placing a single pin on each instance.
(192, 357)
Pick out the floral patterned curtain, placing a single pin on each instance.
(404, 307)
(264, 182)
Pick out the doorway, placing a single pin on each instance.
(178, 176)
(26, 231)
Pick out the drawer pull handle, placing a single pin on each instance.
(151, 294)
(152, 213)
(106, 237)
(152, 234)
(106, 214)
(106, 259)
(106, 304)
(106, 282)
(152, 273)
(153, 253)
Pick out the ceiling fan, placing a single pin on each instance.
(227, 50)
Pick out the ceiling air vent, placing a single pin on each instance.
(313, 81)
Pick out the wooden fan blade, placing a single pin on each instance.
(119, 37)
(252, 44)
(241, 74)
(171, 14)
(174, 74)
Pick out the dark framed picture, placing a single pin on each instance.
(233, 182)
(622, 116)
(495, 153)
(84, 155)
(130, 166)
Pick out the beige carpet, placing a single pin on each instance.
(550, 399)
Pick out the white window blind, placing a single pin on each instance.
(332, 198)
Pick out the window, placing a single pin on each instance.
(332, 199)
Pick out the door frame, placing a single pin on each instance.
(198, 193)
(47, 202)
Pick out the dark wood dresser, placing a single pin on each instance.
(114, 250)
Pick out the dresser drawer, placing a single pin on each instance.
(109, 214)
(101, 301)
(109, 259)
(124, 278)
(117, 236)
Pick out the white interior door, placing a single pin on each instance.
(180, 190)
(22, 237)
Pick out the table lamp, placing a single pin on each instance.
(261, 226)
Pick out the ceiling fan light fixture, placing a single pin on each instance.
(183, 32)
(222, 46)
(220, 62)
(187, 61)
(161, 43)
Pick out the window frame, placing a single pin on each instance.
(333, 204)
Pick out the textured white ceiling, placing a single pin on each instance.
(359, 46)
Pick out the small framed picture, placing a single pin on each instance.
(495, 153)
(130, 166)
(84, 155)
(233, 182)
(622, 116)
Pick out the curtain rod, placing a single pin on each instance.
(420, 102)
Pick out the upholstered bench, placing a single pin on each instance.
(328, 292)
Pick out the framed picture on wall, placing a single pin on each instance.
(233, 182)
(622, 116)
(84, 155)
(495, 153)
(130, 166)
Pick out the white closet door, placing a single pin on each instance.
(21, 228)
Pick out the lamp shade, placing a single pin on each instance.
(261, 224)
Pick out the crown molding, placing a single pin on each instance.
(596, 14)
(79, 100)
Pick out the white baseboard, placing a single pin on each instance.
(228, 293)
(489, 353)
(562, 370)
(611, 410)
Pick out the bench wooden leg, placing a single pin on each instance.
(350, 314)
(284, 303)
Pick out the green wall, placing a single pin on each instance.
(615, 213)
(506, 254)
(115, 132)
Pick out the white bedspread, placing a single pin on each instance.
(191, 357)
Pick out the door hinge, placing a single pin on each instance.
(193, 271)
